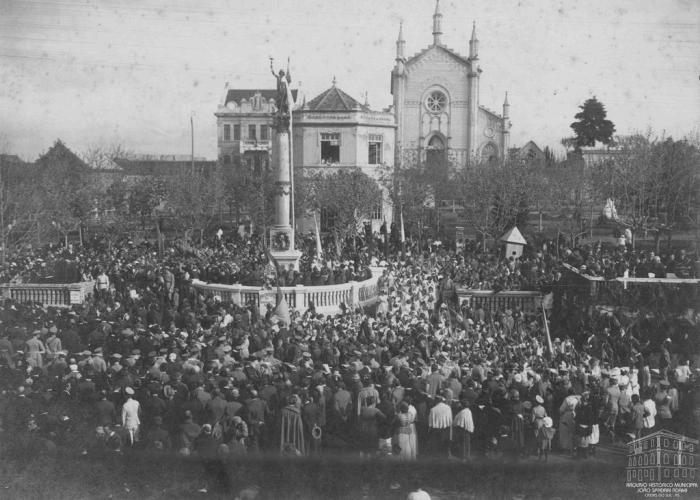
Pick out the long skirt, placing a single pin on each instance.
(440, 441)
(407, 445)
(566, 431)
(463, 443)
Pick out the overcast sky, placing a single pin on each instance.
(99, 72)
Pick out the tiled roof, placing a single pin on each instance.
(334, 99)
(238, 94)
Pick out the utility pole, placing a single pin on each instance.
(192, 140)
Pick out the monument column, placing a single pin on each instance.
(282, 233)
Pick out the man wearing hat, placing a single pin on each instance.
(130, 416)
(53, 344)
(34, 350)
(99, 365)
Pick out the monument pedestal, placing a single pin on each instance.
(282, 247)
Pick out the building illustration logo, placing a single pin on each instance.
(663, 464)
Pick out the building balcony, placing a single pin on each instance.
(252, 145)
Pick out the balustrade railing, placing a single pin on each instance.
(326, 299)
(526, 301)
(48, 294)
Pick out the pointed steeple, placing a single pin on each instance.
(474, 44)
(400, 43)
(437, 24)
(506, 107)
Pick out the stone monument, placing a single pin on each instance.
(282, 233)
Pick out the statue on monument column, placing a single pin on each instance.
(283, 95)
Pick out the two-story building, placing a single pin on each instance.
(334, 131)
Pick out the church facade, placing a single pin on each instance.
(436, 106)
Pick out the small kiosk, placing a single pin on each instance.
(514, 243)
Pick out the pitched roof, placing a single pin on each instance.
(460, 58)
(334, 99)
(514, 236)
(61, 152)
(239, 94)
(490, 111)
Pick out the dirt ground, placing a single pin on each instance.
(140, 476)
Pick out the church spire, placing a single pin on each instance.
(506, 107)
(474, 44)
(437, 24)
(400, 44)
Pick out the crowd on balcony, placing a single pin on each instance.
(151, 365)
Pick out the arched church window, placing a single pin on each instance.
(489, 154)
(436, 101)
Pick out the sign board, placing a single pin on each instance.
(267, 297)
(76, 297)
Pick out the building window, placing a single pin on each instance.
(665, 458)
(675, 472)
(236, 132)
(328, 219)
(652, 459)
(489, 154)
(666, 473)
(257, 166)
(330, 147)
(251, 133)
(685, 472)
(634, 473)
(436, 101)
(377, 212)
(264, 132)
(375, 149)
(227, 159)
(227, 132)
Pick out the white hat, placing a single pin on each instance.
(129, 391)
(539, 399)
(547, 421)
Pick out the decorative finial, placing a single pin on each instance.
(505, 103)
(437, 24)
(334, 80)
(366, 98)
(474, 44)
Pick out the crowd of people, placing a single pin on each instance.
(232, 259)
(149, 363)
(623, 262)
